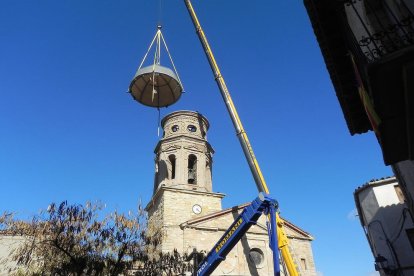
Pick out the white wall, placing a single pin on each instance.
(8, 243)
(385, 219)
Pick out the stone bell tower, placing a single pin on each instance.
(183, 180)
(183, 155)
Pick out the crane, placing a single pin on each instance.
(248, 217)
(244, 142)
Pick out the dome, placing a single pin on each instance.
(156, 86)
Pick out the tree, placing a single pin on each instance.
(171, 263)
(77, 240)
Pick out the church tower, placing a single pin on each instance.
(189, 213)
(183, 156)
(183, 176)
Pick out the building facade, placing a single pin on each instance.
(368, 48)
(8, 244)
(190, 212)
(387, 225)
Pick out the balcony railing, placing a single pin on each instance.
(378, 28)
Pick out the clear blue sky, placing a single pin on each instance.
(69, 131)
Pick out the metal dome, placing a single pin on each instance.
(155, 86)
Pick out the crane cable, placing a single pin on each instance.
(159, 15)
(160, 4)
(158, 39)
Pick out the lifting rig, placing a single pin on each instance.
(262, 204)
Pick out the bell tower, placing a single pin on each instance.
(183, 175)
(183, 156)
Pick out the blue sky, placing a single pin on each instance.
(69, 131)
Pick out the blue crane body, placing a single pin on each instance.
(263, 204)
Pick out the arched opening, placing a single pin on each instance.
(192, 169)
(171, 158)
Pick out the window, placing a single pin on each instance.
(192, 128)
(171, 158)
(303, 263)
(399, 193)
(192, 169)
(256, 257)
(175, 128)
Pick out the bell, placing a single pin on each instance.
(191, 177)
(156, 86)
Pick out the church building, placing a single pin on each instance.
(190, 212)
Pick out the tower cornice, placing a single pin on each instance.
(183, 137)
(180, 113)
(161, 190)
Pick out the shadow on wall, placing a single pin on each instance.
(161, 175)
(391, 237)
(246, 248)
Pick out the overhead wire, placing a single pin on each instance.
(402, 224)
(388, 242)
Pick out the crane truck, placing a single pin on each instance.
(263, 204)
(277, 236)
